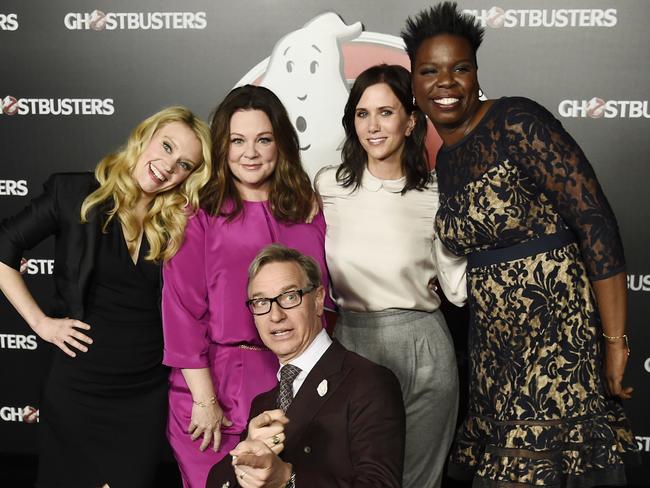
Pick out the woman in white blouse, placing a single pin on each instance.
(379, 207)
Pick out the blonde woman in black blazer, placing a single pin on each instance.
(103, 409)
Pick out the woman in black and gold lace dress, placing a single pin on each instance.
(546, 280)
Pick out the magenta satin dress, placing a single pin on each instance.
(205, 322)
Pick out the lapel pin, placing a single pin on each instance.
(322, 388)
(226, 485)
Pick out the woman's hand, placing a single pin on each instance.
(206, 421)
(268, 427)
(64, 333)
(616, 355)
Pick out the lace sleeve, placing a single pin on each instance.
(538, 143)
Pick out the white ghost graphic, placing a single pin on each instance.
(305, 71)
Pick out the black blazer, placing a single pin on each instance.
(352, 436)
(56, 212)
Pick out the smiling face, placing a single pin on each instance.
(169, 158)
(382, 124)
(445, 83)
(252, 154)
(287, 332)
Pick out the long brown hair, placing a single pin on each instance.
(414, 155)
(290, 192)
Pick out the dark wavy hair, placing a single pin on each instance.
(414, 156)
(290, 194)
(444, 18)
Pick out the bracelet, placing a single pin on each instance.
(615, 338)
(210, 401)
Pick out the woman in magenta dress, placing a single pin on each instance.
(258, 194)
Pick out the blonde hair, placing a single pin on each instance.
(164, 223)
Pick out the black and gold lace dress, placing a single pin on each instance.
(519, 198)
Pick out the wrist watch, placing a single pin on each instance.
(292, 481)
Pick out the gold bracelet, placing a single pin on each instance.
(210, 401)
(612, 338)
(615, 338)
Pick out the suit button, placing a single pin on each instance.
(307, 449)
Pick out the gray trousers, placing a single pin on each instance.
(418, 348)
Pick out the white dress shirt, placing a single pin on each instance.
(380, 245)
(308, 359)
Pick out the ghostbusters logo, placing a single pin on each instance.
(311, 70)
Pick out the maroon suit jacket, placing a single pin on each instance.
(353, 436)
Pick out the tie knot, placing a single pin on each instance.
(288, 373)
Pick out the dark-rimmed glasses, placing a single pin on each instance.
(288, 299)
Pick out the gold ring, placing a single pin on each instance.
(241, 476)
(276, 439)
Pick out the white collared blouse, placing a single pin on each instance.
(380, 246)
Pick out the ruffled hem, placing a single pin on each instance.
(613, 476)
(570, 453)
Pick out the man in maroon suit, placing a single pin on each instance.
(344, 421)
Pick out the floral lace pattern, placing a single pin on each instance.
(548, 179)
(537, 414)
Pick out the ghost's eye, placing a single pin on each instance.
(289, 66)
(313, 66)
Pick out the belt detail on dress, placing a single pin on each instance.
(251, 347)
(524, 249)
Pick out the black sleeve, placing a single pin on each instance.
(30, 226)
(538, 143)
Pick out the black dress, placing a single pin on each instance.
(103, 413)
(519, 198)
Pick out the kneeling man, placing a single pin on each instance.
(335, 418)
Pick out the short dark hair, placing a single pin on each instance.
(277, 253)
(414, 157)
(444, 18)
(290, 194)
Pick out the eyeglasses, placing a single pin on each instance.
(288, 299)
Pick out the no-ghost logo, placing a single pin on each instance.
(597, 108)
(311, 69)
(10, 105)
(9, 22)
(27, 414)
(98, 20)
(497, 17)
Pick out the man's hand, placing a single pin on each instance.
(256, 466)
(268, 427)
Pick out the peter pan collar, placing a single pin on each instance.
(371, 183)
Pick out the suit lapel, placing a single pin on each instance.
(308, 401)
(266, 402)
